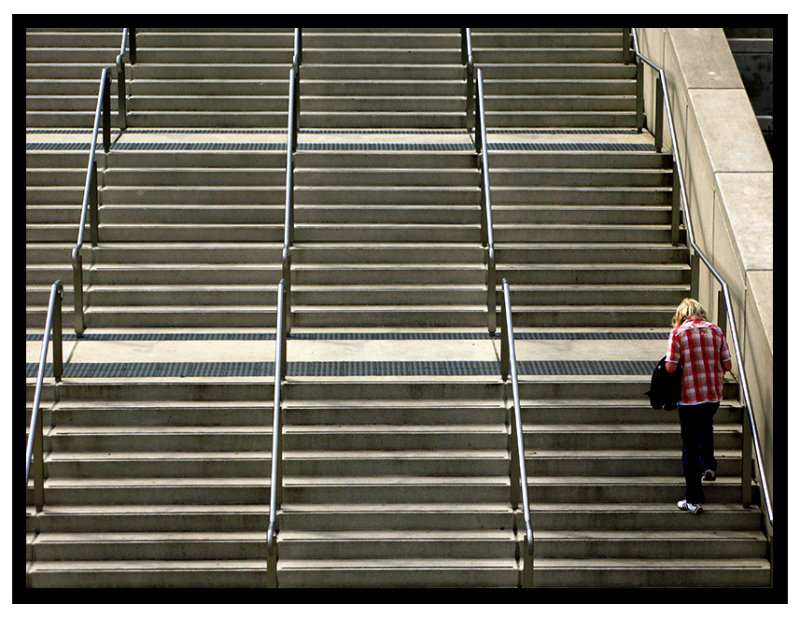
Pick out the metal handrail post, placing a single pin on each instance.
(658, 133)
(676, 209)
(35, 447)
(491, 289)
(297, 55)
(747, 460)
(722, 313)
(94, 215)
(469, 69)
(122, 101)
(639, 96)
(77, 292)
(106, 111)
(515, 489)
(694, 267)
(58, 333)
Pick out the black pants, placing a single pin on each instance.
(697, 434)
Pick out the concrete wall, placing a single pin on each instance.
(728, 175)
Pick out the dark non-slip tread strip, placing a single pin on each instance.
(345, 368)
(361, 336)
(339, 147)
(354, 131)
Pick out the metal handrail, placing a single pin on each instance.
(291, 149)
(698, 253)
(276, 475)
(519, 484)
(129, 41)
(283, 325)
(469, 68)
(297, 55)
(90, 197)
(487, 224)
(35, 449)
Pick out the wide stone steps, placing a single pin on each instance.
(68, 103)
(419, 316)
(554, 119)
(120, 439)
(383, 120)
(274, 87)
(159, 464)
(483, 38)
(165, 233)
(584, 233)
(73, 37)
(559, 102)
(337, 86)
(148, 38)
(152, 491)
(206, 119)
(649, 572)
(214, 55)
(596, 253)
(556, 86)
(256, 101)
(65, 119)
(168, 413)
(222, 69)
(183, 316)
(226, 517)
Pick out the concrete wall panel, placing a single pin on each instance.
(705, 58)
(758, 359)
(748, 214)
(699, 177)
(730, 130)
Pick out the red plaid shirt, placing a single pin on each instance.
(700, 347)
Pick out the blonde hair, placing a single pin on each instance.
(687, 308)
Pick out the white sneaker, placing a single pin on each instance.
(709, 475)
(688, 506)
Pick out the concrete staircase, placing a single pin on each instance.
(62, 75)
(188, 238)
(211, 78)
(153, 484)
(382, 78)
(585, 237)
(396, 482)
(555, 77)
(604, 474)
(399, 478)
(53, 195)
(62, 80)
(387, 239)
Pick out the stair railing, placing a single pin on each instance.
(291, 150)
(129, 41)
(519, 482)
(90, 196)
(276, 475)
(749, 427)
(469, 69)
(35, 449)
(283, 325)
(487, 225)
